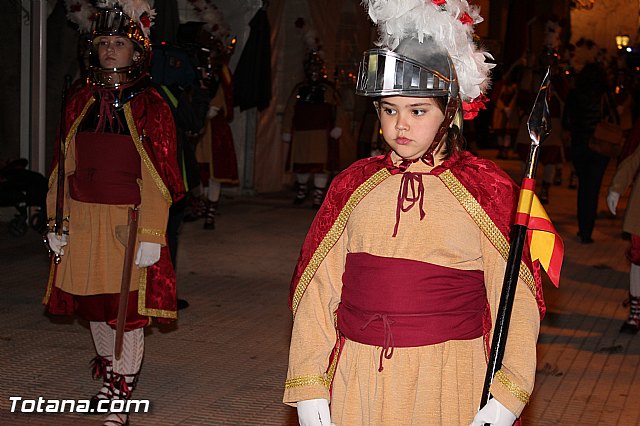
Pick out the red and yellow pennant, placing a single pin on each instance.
(545, 244)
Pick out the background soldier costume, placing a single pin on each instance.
(119, 141)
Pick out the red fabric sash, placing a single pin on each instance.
(393, 302)
(107, 169)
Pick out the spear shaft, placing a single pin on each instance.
(539, 127)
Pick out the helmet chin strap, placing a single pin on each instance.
(449, 114)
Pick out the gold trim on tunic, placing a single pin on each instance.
(334, 234)
(513, 389)
(144, 156)
(334, 364)
(297, 382)
(70, 135)
(151, 231)
(484, 222)
(54, 174)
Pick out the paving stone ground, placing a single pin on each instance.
(224, 361)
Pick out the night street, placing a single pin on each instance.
(224, 361)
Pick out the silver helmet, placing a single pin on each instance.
(114, 22)
(411, 69)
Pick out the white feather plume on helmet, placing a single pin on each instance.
(210, 14)
(80, 12)
(447, 24)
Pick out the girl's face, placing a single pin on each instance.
(115, 51)
(409, 124)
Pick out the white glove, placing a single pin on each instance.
(495, 414)
(148, 254)
(57, 242)
(212, 112)
(612, 201)
(314, 412)
(286, 137)
(336, 132)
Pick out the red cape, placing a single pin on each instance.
(490, 186)
(152, 116)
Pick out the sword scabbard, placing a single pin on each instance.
(126, 280)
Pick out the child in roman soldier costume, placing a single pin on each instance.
(398, 282)
(309, 125)
(118, 154)
(216, 152)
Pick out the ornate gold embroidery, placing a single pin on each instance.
(149, 231)
(144, 156)
(70, 135)
(142, 308)
(334, 234)
(297, 382)
(484, 222)
(514, 389)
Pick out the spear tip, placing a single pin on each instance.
(539, 123)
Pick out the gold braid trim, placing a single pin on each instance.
(70, 135)
(54, 175)
(513, 389)
(484, 222)
(144, 156)
(334, 364)
(142, 308)
(150, 231)
(297, 382)
(334, 234)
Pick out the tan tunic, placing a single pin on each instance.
(93, 258)
(437, 384)
(627, 174)
(204, 152)
(309, 146)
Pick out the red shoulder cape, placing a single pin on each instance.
(153, 120)
(490, 186)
